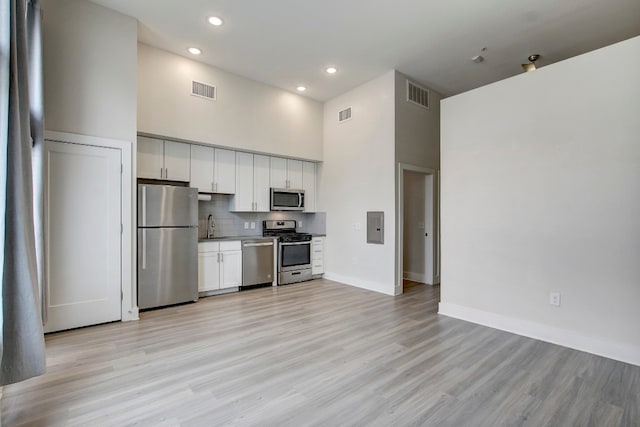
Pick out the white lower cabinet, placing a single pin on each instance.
(219, 265)
(317, 256)
(231, 267)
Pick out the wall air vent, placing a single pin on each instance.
(203, 90)
(417, 94)
(344, 115)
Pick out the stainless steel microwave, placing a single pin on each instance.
(284, 199)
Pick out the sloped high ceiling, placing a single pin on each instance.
(290, 42)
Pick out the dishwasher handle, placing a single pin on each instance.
(253, 245)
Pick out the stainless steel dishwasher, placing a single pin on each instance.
(257, 261)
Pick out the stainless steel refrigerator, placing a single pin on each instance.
(167, 245)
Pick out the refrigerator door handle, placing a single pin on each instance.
(144, 249)
(144, 205)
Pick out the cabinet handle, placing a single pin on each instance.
(218, 256)
(222, 257)
(213, 188)
(166, 173)
(161, 171)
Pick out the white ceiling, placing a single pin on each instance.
(290, 42)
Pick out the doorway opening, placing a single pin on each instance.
(417, 251)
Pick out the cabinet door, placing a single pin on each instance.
(150, 158)
(261, 193)
(208, 271)
(201, 168)
(243, 200)
(278, 172)
(177, 156)
(294, 174)
(309, 186)
(231, 269)
(225, 171)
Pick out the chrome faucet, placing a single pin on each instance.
(211, 226)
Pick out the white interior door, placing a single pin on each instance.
(83, 235)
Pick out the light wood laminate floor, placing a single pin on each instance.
(317, 353)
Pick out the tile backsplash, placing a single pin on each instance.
(232, 223)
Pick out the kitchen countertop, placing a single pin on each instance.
(228, 238)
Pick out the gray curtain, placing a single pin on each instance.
(22, 343)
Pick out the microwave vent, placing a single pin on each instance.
(344, 115)
(417, 94)
(203, 90)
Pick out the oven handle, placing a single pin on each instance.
(308, 242)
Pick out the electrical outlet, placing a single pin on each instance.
(253, 225)
(300, 224)
(554, 298)
(357, 226)
(246, 225)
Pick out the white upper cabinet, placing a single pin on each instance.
(252, 183)
(286, 173)
(243, 200)
(202, 168)
(224, 171)
(261, 190)
(213, 170)
(150, 158)
(294, 174)
(176, 161)
(309, 186)
(158, 159)
(278, 178)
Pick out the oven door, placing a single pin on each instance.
(294, 256)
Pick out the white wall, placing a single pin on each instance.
(417, 129)
(417, 143)
(247, 115)
(357, 176)
(89, 56)
(540, 193)
(89, 66)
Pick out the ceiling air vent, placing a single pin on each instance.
(417, 94)
(203, 90)
(344, 115)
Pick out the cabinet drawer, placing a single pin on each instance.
(208, 247)
(317, 268)
(234, 245)
(317, 254)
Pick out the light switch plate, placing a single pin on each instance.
(246, 225)
(253, 225)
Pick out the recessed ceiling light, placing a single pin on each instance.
(301, 88)
(331, 70)
(215, 21)
(194, 51)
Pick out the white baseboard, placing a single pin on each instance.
(596, 345)
(359, 283)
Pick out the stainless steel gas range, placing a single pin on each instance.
(294, 251)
